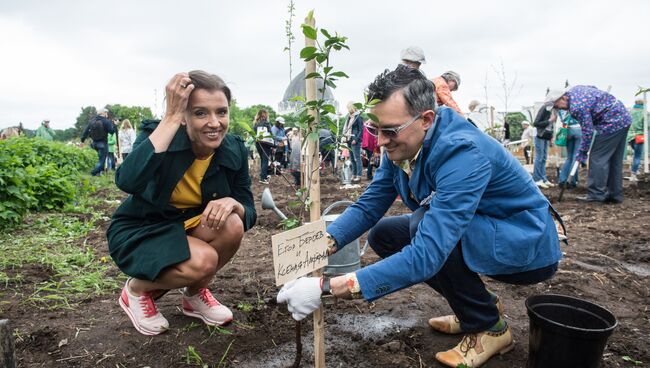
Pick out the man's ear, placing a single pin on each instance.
(427, 119)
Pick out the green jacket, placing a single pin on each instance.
(146, 233)
(637, 122)
(112, 142)
(45, 133)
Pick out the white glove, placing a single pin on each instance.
(302, 296)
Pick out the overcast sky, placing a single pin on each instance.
(59, 56)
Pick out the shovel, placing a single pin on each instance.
(574, 171)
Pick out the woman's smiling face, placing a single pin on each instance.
(207, 120)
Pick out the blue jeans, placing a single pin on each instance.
(464, 290)
(264, 154)
(539, 165)
(102, 151)
(355, 158)
(572, 144)
(369, 170)
(636, 160)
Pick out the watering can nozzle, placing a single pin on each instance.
(268, 204)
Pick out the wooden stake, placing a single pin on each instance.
(312, 181)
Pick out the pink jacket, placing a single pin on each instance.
(368, 141)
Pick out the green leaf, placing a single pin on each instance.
(309, 32)
(330, 83)
(321, 58)
(340, 74)
(297, 98)
(329, 108)
(325, 33)
(631, 360)
(307, 51)
(373, 117)
(313, 75)
(327, 69)
(358, 106)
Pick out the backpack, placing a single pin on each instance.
(96, 130)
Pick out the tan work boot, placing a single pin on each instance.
(476, 349)
(450, 324)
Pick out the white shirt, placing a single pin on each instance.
(528, 134)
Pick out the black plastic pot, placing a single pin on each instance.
(567, 332)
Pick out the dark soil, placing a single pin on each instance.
(607, 262)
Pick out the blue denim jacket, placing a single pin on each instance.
(476, 192)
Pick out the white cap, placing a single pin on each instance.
(525, 122)
(280, 120)
(413, 53)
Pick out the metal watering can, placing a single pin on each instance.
(348, 258)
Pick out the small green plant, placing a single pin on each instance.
(192, 357)
(631, 360)
(244, 307)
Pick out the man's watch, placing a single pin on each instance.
(325, 286)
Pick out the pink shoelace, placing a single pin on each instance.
(148, 306)
(208, 298)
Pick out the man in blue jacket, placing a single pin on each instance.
(476, 212)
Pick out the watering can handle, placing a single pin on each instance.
(335, 205)
(363, 250)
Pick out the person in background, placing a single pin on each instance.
(445, 84)
(127, 138)
(544, 122)
(600, 111)
(354, 131)
(476, 211)
(97, 129)
(369, 145)
(635, 137)
(326, 146)
(112, 150)
(280, 140)
(573, 140)
(189, 204)
(478, 114)
(263, 143)
(44, 131)
(413, 56)
(294, 157)
(528, 135)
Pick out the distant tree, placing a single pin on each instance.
(135, 114)
(83, 118)
(65, 135)
(514, 120)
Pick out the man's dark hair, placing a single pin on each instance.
(419, 92)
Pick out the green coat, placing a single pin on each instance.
(637, 122)
(45, 133)
(147, 233)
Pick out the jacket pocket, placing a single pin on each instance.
(517, 237)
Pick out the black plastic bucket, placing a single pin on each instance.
(567, 332)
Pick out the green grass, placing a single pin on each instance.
(55, 245)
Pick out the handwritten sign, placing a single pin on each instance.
(299, 251)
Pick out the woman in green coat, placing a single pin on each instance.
(190, 203)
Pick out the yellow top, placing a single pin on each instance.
(187, 193)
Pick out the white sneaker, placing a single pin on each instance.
(549, 184)
(633, 177)
(204, 306)
(142, 312)
(541, 184)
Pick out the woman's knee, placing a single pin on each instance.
(204, 263)
(234, 228)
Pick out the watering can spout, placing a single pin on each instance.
(268, 204)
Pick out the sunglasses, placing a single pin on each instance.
(390, 132)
